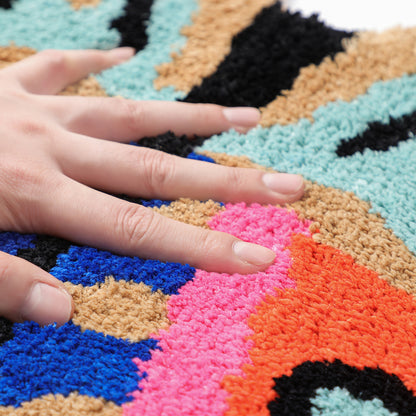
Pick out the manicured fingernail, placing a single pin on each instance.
(283, 183)
(253, 253)
(242, 116)
(122, 54)
(47, 304)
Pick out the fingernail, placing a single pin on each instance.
(283, 183)
(122, 54)
(253, 253)
(47, 304)
(242, 116)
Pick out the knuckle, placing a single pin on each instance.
(33, 127)
(159, 169)
(206, 113)
(205, 240)
(56, 59)
(133, 115)
(135, 224)
(25, 181)
(235, 178)
(209, 242)
(40, 129)
(233, 184)
(6, 266)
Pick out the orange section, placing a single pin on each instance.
(339, 310)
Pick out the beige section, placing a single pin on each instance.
(369, 57)
(209, 41)
(58, 405)
(12, 53)
(88, 87)
(77, 4)
(234, 161)
(191, 211)
(344, 222)
(122, 309)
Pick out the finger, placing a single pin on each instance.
(50, 71)
(29, 293)
(138, 171)
(89, 217)
(125, 120)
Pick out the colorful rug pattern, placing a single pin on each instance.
(330, 327)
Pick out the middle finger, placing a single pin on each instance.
(119, 119)
(137, 171)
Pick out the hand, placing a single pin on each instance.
(57, 153)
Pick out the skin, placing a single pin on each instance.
(59, 155)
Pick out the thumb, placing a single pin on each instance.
(29, 293)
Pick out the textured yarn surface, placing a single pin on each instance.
(330, 327)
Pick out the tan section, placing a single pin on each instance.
(369, 57)
(77, 4)
(344, 222)
(88, 87)
(234, 161)
(191, 211)
(12, 53)
(209, 41)
(58, 405)
(122, 309)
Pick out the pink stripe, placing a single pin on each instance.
(208, 338)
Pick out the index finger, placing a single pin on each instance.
(50, 71)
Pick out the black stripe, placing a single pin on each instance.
(5, 4)
(266, 58)
(6, 330)
(295, 392)
(45, 252)
(132, 25)
(172, 144)
(379, 136)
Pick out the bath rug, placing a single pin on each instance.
(330, 327)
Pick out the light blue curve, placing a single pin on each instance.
(340, 402)
(46, 24)
(134, 79)
(386, 179)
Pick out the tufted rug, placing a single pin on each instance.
(330, 328)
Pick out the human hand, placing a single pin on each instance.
(57, 153)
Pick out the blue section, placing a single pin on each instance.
(88, 266)
(39, 361)
(44, 24)
(134, 79)
(340, 402)
(154, 203)
(386, 179)
(10, 242)
(197, 156)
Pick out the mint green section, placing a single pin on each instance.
(386, 179)
(340, 402)
(54, 24)
(134, 79)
